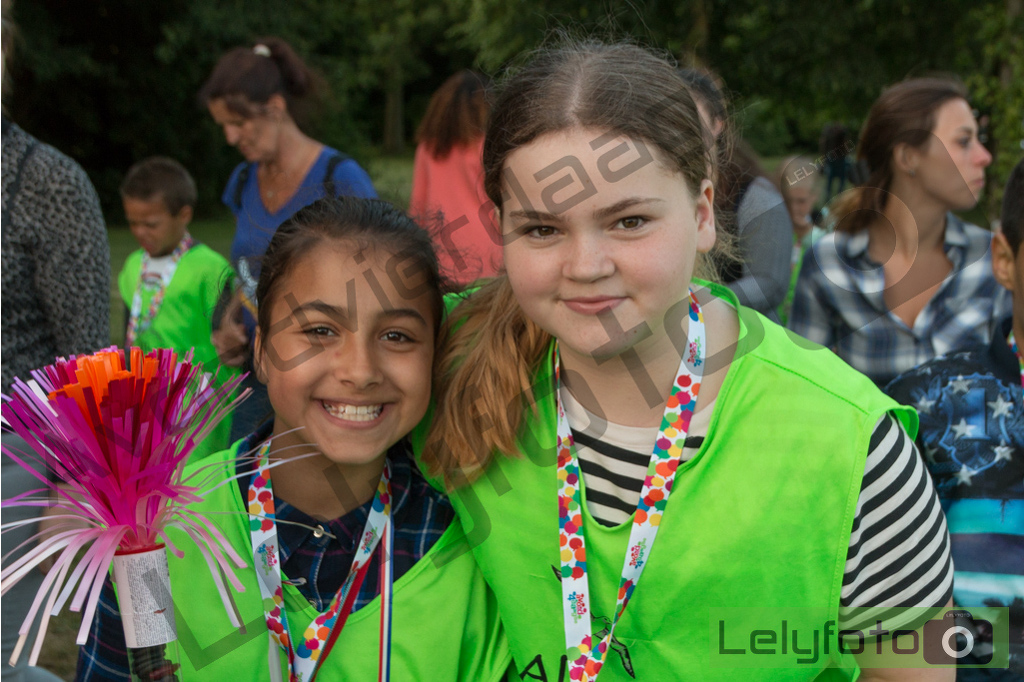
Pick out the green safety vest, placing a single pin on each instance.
(183, 321)
(760, 517)
(444, 619)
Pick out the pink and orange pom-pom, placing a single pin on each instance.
(117, 437)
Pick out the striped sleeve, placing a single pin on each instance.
(899, 551)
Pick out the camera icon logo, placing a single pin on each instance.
(956, 635)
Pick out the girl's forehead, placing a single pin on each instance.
(583, 166)
(614, 154)
(952, 116)
(351, 271)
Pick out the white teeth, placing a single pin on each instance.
(354, 413)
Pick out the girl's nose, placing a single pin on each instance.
(231, 134)
(356, 364)
(587, 259)
(984, 156)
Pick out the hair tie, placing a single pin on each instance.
(262, 50)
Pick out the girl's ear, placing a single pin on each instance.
(1004, 264)
(184, 215)
(276, 107)
(905, 159)
(257, 357)
(704, 215)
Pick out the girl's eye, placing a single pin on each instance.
(319, 330)
(965, 142)
(632, 222)
(395, 337)
(541, 231)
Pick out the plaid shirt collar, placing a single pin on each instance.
(854, 247)
(299, 528)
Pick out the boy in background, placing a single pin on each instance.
(171, 285)
(971, 405)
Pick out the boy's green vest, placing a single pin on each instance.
(760, 517)
(183, 322)
(444, 623)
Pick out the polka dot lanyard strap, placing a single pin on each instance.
(137, 324)
(585, 659)
(1013, 345)
(305, 654)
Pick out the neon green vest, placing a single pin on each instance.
(760, 517)
(183, 321)
(444, 623)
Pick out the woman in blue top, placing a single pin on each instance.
(257, 95)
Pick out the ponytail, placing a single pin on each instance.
(247, 77)
(485, 383)
(297, 79)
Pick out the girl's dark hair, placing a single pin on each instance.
(369, 224)
(904, 114)
(246, 77)
(457, 113)
(486, 373)
(1012, 217)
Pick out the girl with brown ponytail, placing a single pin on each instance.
(602, 344)
(903, 279)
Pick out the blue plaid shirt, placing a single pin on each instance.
(316, 565)
(839, 303)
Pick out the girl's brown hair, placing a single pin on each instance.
(246, 77)
(457, 113)
(486, 374)
(368, 224)
(904, 114)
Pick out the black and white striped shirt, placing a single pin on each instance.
(899, 547)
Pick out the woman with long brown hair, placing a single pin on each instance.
(903, 279)
(448, 179)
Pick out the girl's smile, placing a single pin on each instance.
(353, 413)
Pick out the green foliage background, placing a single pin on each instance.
(111, 81)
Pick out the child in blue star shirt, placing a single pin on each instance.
(972, 437)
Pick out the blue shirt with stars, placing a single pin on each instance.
(971, 405)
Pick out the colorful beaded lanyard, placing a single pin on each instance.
(306, 655)
(585, 660)
(1013, 345)
(136, 323)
